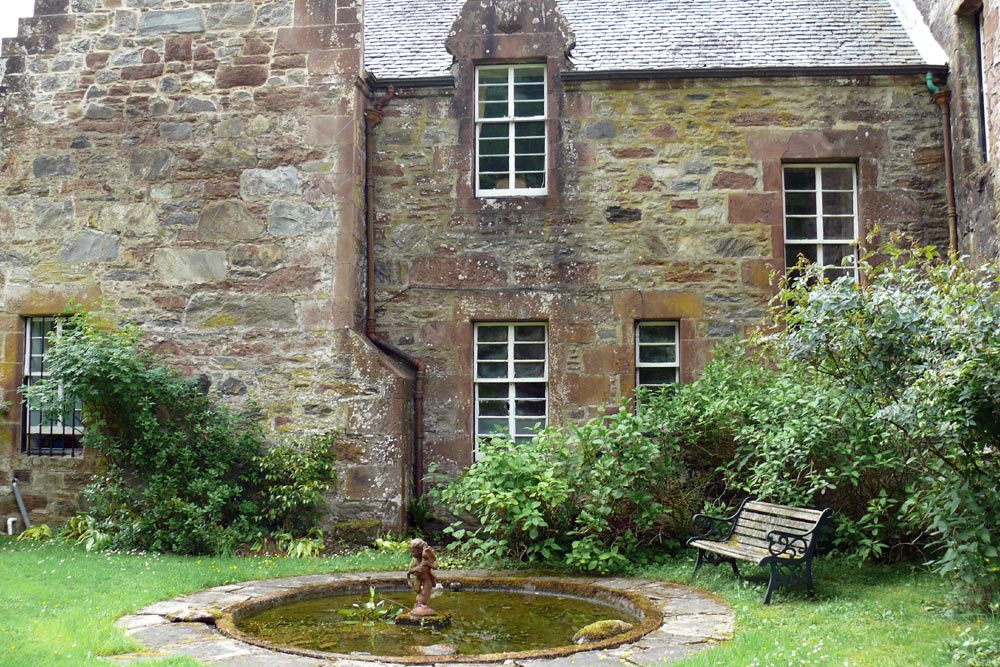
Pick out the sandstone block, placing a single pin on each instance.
(290, 218)
(224, 15)
(90, 247)
(258, 184)
(171, 21)
(241, 75)
(227, 221)
(266, 256)
(212, 310)
(188, 266)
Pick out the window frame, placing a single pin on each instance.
(510, 380)
(819, 240)
(640, 364)
(979, 26)
(55, 429)
(511, 120)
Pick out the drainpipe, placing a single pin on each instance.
(20, 503)
(373, 117)
(943, 99)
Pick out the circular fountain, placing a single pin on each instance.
(492, 619)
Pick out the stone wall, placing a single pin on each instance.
(198, 165)
(670, 207)
(977, 182)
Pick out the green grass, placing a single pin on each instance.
(58, 605)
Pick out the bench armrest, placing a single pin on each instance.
(796, 545)
(713, 528)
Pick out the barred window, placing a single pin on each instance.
(510, 130)
(44, 433)
(511, 379)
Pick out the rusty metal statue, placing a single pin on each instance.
(423, 562)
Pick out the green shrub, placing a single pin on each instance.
(588, 496)
(184, 474)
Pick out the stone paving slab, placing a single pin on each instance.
(694, 621)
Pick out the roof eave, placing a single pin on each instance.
(755, 72)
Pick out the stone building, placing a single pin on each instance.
(968, 31)
(417, 221)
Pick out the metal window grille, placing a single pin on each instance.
(657, 354)
(43, 433)
(510, 130)
(511, 384)
(821, 216)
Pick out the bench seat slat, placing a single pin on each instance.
(756, 523)
(757, 506)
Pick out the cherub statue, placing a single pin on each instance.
(423, 562)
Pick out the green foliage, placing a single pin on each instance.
(37, 533)
(84, 530)
(588, 496)
(309, 546)
(292, 477)
(974, 648)
(371, 611)
(184, 474)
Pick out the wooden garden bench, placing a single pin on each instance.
(781, 537)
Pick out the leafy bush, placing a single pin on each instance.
(184, 474)
(588, 496)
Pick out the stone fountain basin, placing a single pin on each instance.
(676, 621)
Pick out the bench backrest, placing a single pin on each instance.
(756, 519)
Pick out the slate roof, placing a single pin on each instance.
(405, 38)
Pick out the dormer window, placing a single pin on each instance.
(510, 130)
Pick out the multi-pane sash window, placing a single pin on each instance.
(821, 219)
(657, 354)
(511, 379)
(510, 130)
(43, 432)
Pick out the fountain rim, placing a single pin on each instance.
(651, 618)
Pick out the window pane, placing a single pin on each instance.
(529, 92)
(489, 334)
(800, 203)
(529, 333)
(494, 131)
(491, 370)
(529, 369)
(657, 375)
(522, 146)
(835, 254)
(657, 354)
(534, 74)
(493, 390)
(491, 181)
(838, 178)
(491, 426)
(529, 390)
(800, 228)
(800, 178)
(494, 163)
(536, 180)
(492, 352)
(528, 109)
(529, 129)
(493, 93)
(838, 228)
(492, 75)
(526, 426)
(494, 408)
(492, 109)
(838, 202)
(792, 252)
(494, 146)
(533, 351)
(657, 333)
(527, 163)
(530, 409)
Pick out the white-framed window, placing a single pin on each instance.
(512, 371)
(981, 69)
(821, 215)
(657, 354)
(511, 145)
(44, 433)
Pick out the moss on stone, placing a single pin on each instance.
(601, 630)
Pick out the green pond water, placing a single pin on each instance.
(482, 622)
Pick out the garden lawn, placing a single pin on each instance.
(58, 605)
